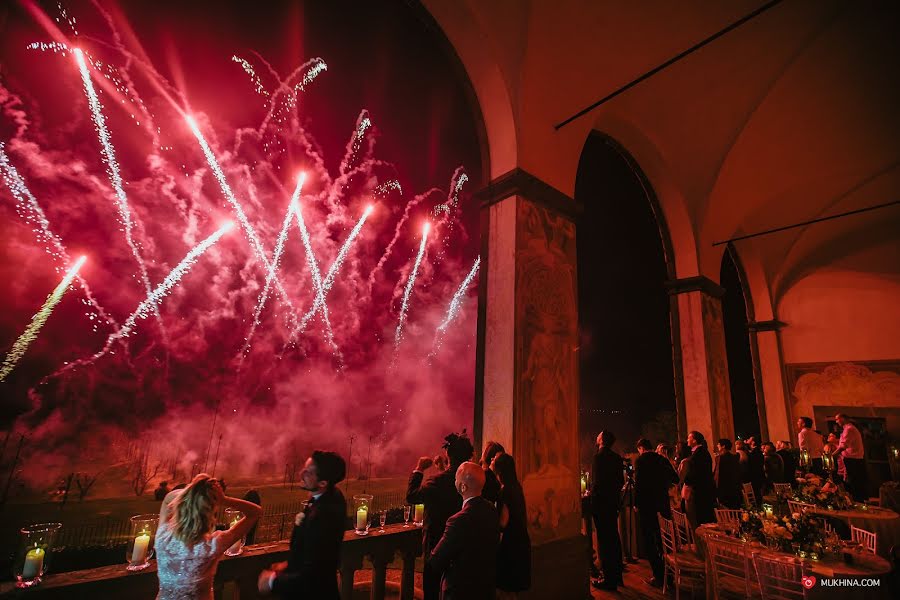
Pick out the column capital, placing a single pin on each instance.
(519, 182)
(694, 284)
(773, 325)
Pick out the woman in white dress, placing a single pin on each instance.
(187, 547)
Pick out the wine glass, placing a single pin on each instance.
(406, 510)
(382, 519)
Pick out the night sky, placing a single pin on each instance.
(153, 64)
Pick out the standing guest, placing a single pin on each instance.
(466, 553)
(773, 467)
(740, 449)
(514, 552)
(188, 549)
(491, 489)
(653, 476)
(789, 458)
(441, 463)
(161, 492)
(727, 474)
(315, 550)
(441, 499)
(811, 441)
(850, 447)
(608, 476)
(252, 496)
(756, 466)
(839, 473)
(666, 452)
(699, 489)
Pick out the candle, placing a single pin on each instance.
(420, 513)
(583, 485)
(362, 517)
(34, 563)
(139, 554)
(769, 510)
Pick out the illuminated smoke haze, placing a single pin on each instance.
(360, 100)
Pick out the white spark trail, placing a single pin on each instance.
(30, 209)
(455, 305)
(249, 70)
(156, 296)
(37, 321)
(332, 272)
(404, 307)
(242, 217)
(276, 258)
(115, 177)
(317, 283)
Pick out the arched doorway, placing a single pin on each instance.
(737, 312)
(625, 353)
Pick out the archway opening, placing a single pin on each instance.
(625, 352)
(744, 406)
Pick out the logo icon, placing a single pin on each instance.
(809, 581)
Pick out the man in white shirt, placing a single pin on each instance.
(851, 448)
(810, 440)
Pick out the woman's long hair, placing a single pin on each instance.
(193, 512)
(505, 468)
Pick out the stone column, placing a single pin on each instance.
(707, 395)
(529, 384)
(765, 336)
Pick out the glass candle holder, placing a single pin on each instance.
(418, 515)
(140, 543)
(362, 504)
(232, 516)
(35, 550)
(768, 510)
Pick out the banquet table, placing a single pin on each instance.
(864, 566)
(883, 522)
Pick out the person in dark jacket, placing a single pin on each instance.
(491, 491)
(608, 475)
(466, 553)
(252, 496)
(727, 473)
(653, 475)
(441, 500)
(699, 488)
(773, 467)
(315, 551)
(514, 552)
(789, 458)
(756, 467)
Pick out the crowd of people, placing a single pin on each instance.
(475, 536)
(694, 481)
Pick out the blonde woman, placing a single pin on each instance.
(187, 547)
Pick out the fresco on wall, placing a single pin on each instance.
(546, 408)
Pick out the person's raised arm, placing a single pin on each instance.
(243, 525)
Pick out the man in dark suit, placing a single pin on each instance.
(441, 500)
(467, 551)
(608, 475)
(315, 553)
(756, 464)
(727, 474)
(699, 490)
(653, 475)
(789, 458)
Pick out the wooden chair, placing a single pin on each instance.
(866, 538)
(749, 495)
(781, 487)
(780, 578)
(683, 530)
(728, 516)
(685, 567)
(798, 507)
(731, 570)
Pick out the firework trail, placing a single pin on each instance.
(448, 208)
(242, 217)
(404, 307)
(156, 296)
(317, 283)
(332, 272)
(363, 124)
(115, 178)
(455, 305)
(29, 208)
(249, 70)
(317, 66)
(37, 321)
(276, 258)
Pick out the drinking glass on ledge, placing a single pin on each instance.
(35, 549)
(406, 510)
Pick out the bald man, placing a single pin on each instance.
(466, 553)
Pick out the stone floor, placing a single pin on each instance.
(635, 586)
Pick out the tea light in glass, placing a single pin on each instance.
(35, 550)
(139, 550)
(362, 503)
(232, 516)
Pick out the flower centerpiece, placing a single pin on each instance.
(752, 525)
(824, 494)
(801, 532)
